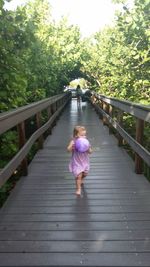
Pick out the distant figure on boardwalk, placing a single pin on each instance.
(80, 148)
(78, 90)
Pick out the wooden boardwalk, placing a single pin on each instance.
(43, 223)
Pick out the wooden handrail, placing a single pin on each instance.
(140, 111)
(14, 117)
(142, 114)
(17, 117)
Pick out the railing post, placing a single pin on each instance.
(111, 115)
(49, 114)
(101, 106)
(106, 109)
(56, 105)
(38, 125)
(120, 121)
(139, 139)
(22, 141)
(53, 111)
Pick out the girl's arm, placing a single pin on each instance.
(70, 147)
(90, 150)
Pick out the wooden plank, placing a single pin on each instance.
(53, 235)
(75, 259)
(123, 191)
(75, 226)
(97, 246)
(70, 202)
(130, 196)
(79, 217)
(77, 209)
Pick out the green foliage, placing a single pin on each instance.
(119, 57)
(7, 152)
(7, 187)
(12, 78)
(119, 1)
(37, 56)
(36, 95)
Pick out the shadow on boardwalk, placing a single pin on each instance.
(43, 223)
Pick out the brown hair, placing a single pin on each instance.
(77, 129)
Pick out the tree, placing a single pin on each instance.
(119, 56)
(12, 79)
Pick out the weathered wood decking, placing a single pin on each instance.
(43, 223)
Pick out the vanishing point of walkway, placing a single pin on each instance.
(43, 223)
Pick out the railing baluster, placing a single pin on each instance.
(139, 139)
(101, 106)
(106, 109)
(120, 121)
(53, 111)
(49, 113)
(22, 141)
(111, 115)
(39, 124)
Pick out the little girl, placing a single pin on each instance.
(79, 164)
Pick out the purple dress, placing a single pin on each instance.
(79, 163)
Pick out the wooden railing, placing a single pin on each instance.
(105, 107)
(16, 118)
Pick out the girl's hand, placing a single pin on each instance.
(90, 150)
(71, 146)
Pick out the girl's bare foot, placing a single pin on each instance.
(78, 192)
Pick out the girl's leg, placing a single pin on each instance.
(78, 184)
(84, 174)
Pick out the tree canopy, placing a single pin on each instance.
(38, 56)
(120, 57)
